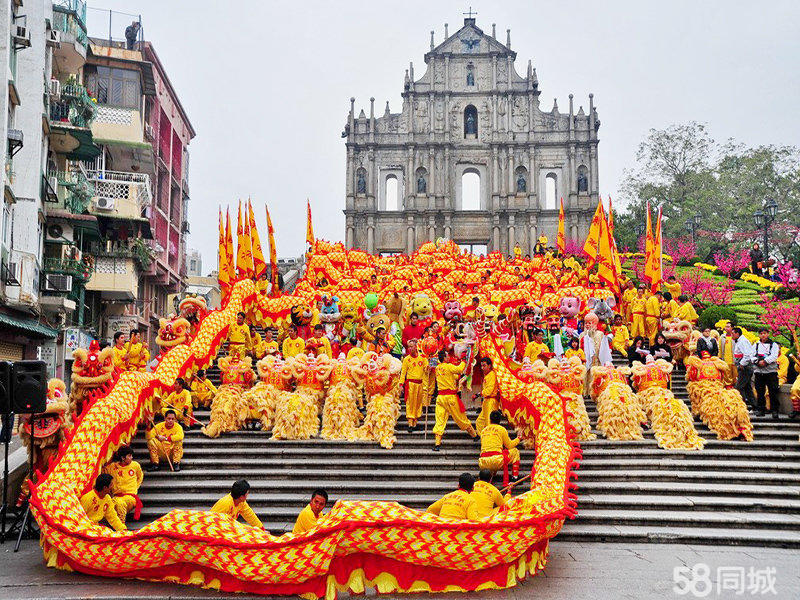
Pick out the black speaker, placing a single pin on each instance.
(29, 387)
(5, 387)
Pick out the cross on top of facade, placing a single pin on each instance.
(470, 14)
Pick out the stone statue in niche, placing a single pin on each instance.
(361, 182)
(583, 181)
(470, 75)
(522, 183)
(422, 185)
(470, 124)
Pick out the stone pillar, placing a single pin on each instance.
(533, 233)
(447, 228)
(372, 203)
(449, 191)
(350, 232)
(496, 233)
(410, 235)
(411, 191)
(371, 234)
(447, 74)
(594, 184)
(432, 173)
(512, 186)
(511, 233)
(431, 228)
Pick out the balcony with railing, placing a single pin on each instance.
(121, 194)
(78, 269)
(117, 277)
(69, 17)
(73, 188)
(74, 107)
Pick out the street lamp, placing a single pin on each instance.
(764, 218)
(692, 225)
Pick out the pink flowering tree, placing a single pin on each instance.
(782, 318)
(574, 248)
(732, 263)
(682, 251)
(703, 289)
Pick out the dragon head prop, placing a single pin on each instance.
(93, 367)
(172, 333)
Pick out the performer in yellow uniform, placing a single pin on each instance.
(412, 376)
(622, 339)
(179, 400)
(726, 344)
(203, 391)
(627, 297)
(310, 515)
(235, 505)
(488, 499)
(256, 344)
(490, 393)
(127, 477)
(239, 341)
(165, 440)
(498, 450)
(120, 352)
(575, 349)
(293, 345)
(535, 348)
(672, 286)
(99, 505)
(319, 343)
(653, 311)
(448, 402)
(638, 306)
(270, 345)
(686, 311)
(670, 308)
(136, 355)
(459, 504)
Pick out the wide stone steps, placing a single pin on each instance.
(732, 492)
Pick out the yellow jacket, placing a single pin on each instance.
(98, 508)
(271, 347)
(486, 497)
(686, 312)
(173, 435)
(239, 334)
(534, 349)
(227, 506)
(203, 389)
(638, 305)
(580, 353)
(293, 347)
(177, 401)
(126, 479)
(136, 356)
(489, 389)
(653, 307)
(305, 520)
(413, 368)
(118, 357)
(495, 437)
(674, 289)
(455, 505)
(447, 376)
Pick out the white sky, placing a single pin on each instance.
(267, 84)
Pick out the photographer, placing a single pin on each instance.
(743, 360)
(765, 372)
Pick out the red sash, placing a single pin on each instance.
(504, 454)
(137, 510)
(454, 393)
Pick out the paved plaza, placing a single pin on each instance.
(575, 571)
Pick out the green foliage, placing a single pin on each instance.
(713, 313)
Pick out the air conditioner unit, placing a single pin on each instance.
(55, 87)
(53, 37)
(58, 283)
(148, 131)
(59, 232)
(20, 36)
(104, 203)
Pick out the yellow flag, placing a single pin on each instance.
(606, 269)
(592, 245)
(648, 246)
(562, 236)
(229, 248)
(273, 256)
(222, 260)
(614, 248)
(656, 268)
(309, 226)
(259, 266)
(244, 249)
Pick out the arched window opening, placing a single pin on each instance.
(392, 193)
(470, 122)
(583, 179)
(470, 190)
(550, 200)
(521, 180)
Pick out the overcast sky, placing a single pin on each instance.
(267, 84)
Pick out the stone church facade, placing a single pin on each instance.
(472, 157)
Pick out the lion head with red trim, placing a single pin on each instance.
(172, 333)
(93, 367)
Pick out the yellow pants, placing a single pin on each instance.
(652, 328)
(495, 463)
(204, 400)
(794, 394)
(237, 350)
(447, 405)
(488, 407)
(124, 505)
(159, 450)
(414, 393)
(621, 345)
(637, 326)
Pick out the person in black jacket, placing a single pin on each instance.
(661, 349)
(756, 260)
(637, 352)
(706, 343)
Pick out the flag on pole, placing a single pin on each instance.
(648, 245)
(562, 237)
(259, 266)
(229, 249)
(592, 245)
(222, 260)
(656, 267)
(273, 256)
(309, 227)
(615, 249)
(244, 249)
(606, 268)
